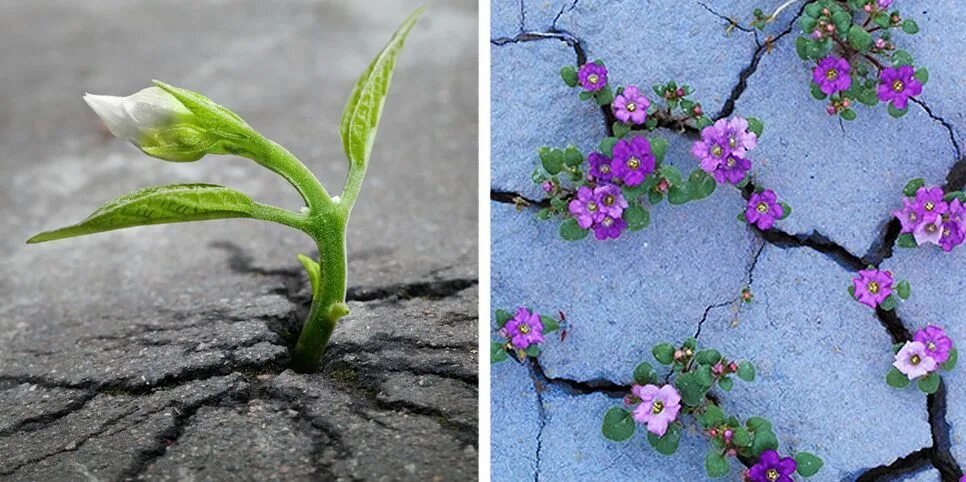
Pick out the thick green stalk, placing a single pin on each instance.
(328, 297)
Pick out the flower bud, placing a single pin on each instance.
(713, 432)
(547, 187)
(698, 110)
(728, 434)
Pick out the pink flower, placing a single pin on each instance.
(659, 407)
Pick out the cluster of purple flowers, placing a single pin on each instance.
(600, 207)
(928, 350)
(656, 407)
(723, 147)
(896, 85)
(524, 329)
(929, 218)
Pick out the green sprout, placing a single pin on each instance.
(179, 125)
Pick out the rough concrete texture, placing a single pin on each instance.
(821, 357)
(155, 353)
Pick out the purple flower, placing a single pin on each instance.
(740, 139)
(585, 208)
(630, 106)
(713, 148)
(908, 216)
(592, 76)
(884, 4)
(763, 209)
(600, 166)
(771, 467)
(609, 228)
(930, 200)
(832, 75)
(872, 287)
(732, 170)
(524, 329)
(936, 342)
(913, 360)
(930, 230)
(633, 160)
(898, 85)
(659, 407)
(952, 235)
(610, 200)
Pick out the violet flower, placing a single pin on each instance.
(930, 200)
(740, 139)
(584, 207)
(763, 209)
(713, 148)
(630, 106)
(600, 168)
(936, 342)
(592, 76)
(913, 360)
(633, 160)
(884, 4)
(610, 200)
(732, 170)
(897, 85)
(872, 287)
(659, 407)
(524, 329)
(609, 228)
(908, 216)
(929, 230)
(771, 467)
(832, 75)
(952, 235)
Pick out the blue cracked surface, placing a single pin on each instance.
(622, 297)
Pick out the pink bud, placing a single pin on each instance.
(697, 109)
(547, 186)
(817, 34)
(830, 109)
(662, 186)
(713, 432)
(678, 354)
(680, 92)
(830, 27)
(728, 434)
(733, 366)
(867, 7)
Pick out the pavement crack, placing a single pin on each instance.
(732, 22)
(946, 124)
(563, 9)
(33, 424)
(908, 465)
(406, 291)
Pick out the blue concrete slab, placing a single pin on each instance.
(515, 425)
(506, 19)
(937, 298)
(821, 359)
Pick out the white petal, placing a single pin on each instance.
(111, 110)
(153, 107)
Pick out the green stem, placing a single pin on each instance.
(328, 298)
(285, 164)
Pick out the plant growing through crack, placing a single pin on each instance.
(611, 189)
(662, 403)
(877, 288)
(855, 54)
(931, 216)
(179, 125)
(521, 334)
(921, 358)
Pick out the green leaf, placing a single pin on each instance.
(708, 357)
(654, 197)
(922, 75)
(658, 147)
(700, 184)
(313, 270)
(756, 424)
(741, 437)
(814, 10)
(906, 240)
(691, 389)
(503, 316)
(913, 186)
(552, 160)
(910, 27)
(903, 289)
(664, 353)
(618, 425)
(713, 415)
(668, 443)
(497, 352)
(360, 119)
(816, 91)
(764, 440)
(644, 374)
(584, 95)
(702, 122)
(746, 371)
(174, 203)
(571, 231)
(901, 57)
(621, 129)
(842, 19)
(786, 210)
(801, 47)
(678, 194)
(533, 351)
(716, 465)
(607, 146)
(544, 214)
(550, 324)
(848, 114)
(569, 75)
(930, 383)
(636, 217)
(807, 464)
(604, 96)
(215, 118)
(950, 362)
(852, 290)
(859, 38)
(896, 379)
(756, 125)
(889, 303)
(726, 384)
(572, 157)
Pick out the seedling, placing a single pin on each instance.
(179, 125)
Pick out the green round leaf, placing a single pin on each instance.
(910, 27)
(897, 113)
(816, 91)
(859, 38)
(716, 465)
(756, 424)
(618, 424)
(726, 384)
(708, 357)
(906, 240)
(746, 371)
(636, 217)
(807, 464)
(571, 231)
(889, 303)
(569, 75)
(756, 125)
(550, 324)
(644, 374)
(903, 289)
(912, 186)
(497, 352)
(664, 353)
(713, 415)
(950, 362)
(658, 147)
(922, 75)
(572, 157)
(848, 114)
(668, 444)
(741, 438)
(896, 379)
(502, 316)
(764, 440)
(786, 210)
(930, 383)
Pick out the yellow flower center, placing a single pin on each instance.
(716, 150)
(832, 74)
(914, 359)
(912, 216)
(931, 346)
(609, 200)
(592, 206)
(657, 407)
(772, 475)
(633, 163)
(524, 328)
(631, 107)
(762, 208)
(593, 78)
(946, 232)
(605, 168)
(898, 86)
(731, 162)
(931, 228)
(873, 287)
(929, 206)
(732, 142)
(607, 222)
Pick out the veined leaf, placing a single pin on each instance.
(360, 119)
(175, 203)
